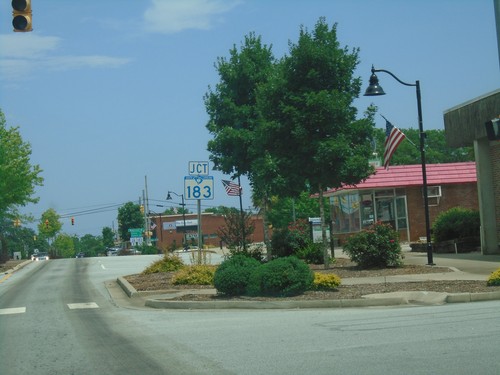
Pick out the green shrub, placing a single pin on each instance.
(457, 222)
(231, 277)
(168, 263)
(311, 253)
(377, 246)
(280, 277)
(326, 281)
(195, 275)
(494, 278)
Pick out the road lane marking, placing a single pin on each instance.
(102, 266)
(13, 310)
(5, 277)
(85, 305)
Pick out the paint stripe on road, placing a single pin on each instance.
(85, 305)
(13, 310)
(5, 277)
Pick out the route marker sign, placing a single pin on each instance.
(199, 187)
(199, 168)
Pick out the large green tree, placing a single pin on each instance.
(63, 245)
(129, 217)
(18, 177)
(310, 128)
(231, 106)
(91, 245)
(234, 115)
(108, 237)
(50, 224)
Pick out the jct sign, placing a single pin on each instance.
(199, 168)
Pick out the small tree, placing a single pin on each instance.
(129, 217)
(108, 237)
(231, 232)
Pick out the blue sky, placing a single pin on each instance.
(110, 91)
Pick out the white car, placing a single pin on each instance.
(40, 256)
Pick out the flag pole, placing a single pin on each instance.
(243, 240)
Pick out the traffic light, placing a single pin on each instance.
(72, 221)
(46, 224)
(142, 208)
(21, 13)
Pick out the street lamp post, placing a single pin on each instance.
(169, 197)
(374, 89)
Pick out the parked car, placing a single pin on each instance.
(40, 256)
(80, 255)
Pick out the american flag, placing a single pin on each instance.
(231, 188)
(394, 138)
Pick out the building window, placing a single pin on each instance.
(353, 211)
(345, 212)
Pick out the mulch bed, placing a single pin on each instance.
(344, 268)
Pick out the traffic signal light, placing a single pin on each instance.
(46, 224)
(142, 208)
(72, 221)
(21, 13)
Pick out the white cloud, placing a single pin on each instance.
(75, 62)
(30, 52)
(171, 16)
(27, 45)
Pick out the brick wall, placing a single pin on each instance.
(495, 160)
(210, 223)
(463, 195)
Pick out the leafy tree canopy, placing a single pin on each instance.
(108, 237)
(18, 178)
(49, 224)
(129, 217)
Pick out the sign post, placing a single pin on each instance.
(199, 185)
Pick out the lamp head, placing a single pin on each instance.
(169, 197)
(374, 88)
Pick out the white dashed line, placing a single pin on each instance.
(13, 310)
(86, 305)
(102, 266)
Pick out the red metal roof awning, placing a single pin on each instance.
(411, 175)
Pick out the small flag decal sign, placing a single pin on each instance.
(231, 188)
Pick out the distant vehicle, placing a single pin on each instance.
(113, 251)
(40, 256)
(80, 255)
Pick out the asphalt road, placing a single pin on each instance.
(57, 317)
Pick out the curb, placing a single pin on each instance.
(18, 267)
(380, 301)
(127, 287)
(266, 305)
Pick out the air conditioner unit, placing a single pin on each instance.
(434, 191)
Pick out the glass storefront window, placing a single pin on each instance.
(367, 210)
(345, 212)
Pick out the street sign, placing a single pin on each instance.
(199, 187)
(135, 232)
(199, 168)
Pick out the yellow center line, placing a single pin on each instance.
(5, 277)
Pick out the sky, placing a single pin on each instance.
(109, 93)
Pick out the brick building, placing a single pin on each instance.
(395, 196)
(169, 230)
(470, 124)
